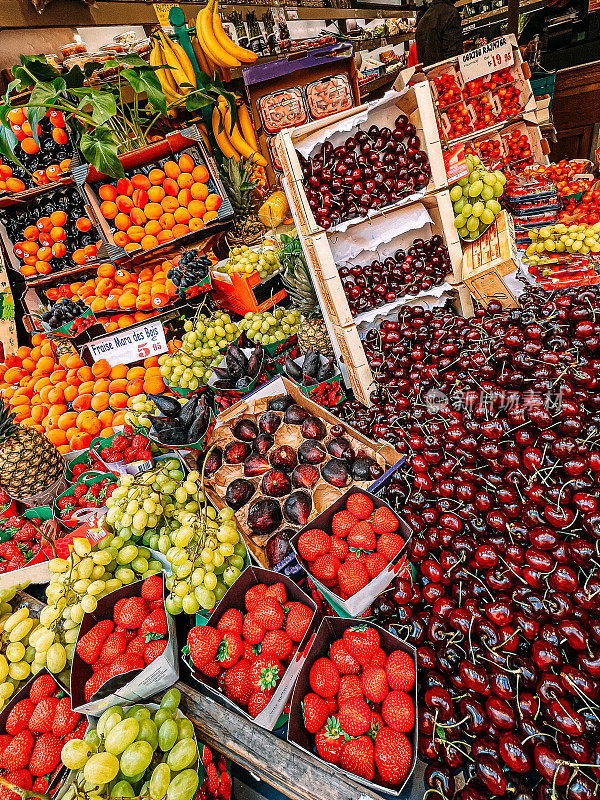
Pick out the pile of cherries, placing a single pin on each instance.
(499, 417)
(407, 273)
(371, 170)
(518, 148)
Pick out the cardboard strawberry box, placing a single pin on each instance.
(128, 687)
(355, 604)
(36, 569)
(235, 599)
(94, 502)
(330, 630)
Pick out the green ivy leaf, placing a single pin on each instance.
(147, 81)
(100, 149)
(196, 100)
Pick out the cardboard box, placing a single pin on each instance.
(333, 628)
(487, 260)
(539, 146)
(36, 570)
(234, 598)
(355, 605)
(131, 687)
(244, 293)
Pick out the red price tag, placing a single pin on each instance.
(143, 350)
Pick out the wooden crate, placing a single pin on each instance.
(415, 102)
(489, 259)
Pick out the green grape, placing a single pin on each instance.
(159, 782)
(162, 715)
(182, 755)
(183, 786)
(138, 712)
(122, 735)
(186, 729)
(122, 789)
(101, 768)
(148, 733)
(135, 758)
(75, 753)
(171, 699)
(167, 735)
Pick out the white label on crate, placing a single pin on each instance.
(489, 58)
(125, 347)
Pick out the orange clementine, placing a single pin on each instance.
(88, 422)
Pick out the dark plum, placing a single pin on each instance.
(276, 483)
(361, 468)
(264, 516)
(236, 452)
(245, 429)
(311, 452)
(281, 403)
(297, 508)
(263, 443)
(305, 476)
(313, 428)
(238, 493)
(295, 415)
(255, 465)
(269, 422)
(283, 458)
(336, 473)
(339, 447)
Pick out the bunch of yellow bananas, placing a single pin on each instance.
(238, 139)
(216, 49)
(180, 79)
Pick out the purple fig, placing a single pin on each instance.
(239, 493)
(276, 484)
(279, 547)
(269, 422)
(264, 516)
(339, 447)
(283, 458)
(336, 473)
(245, 429)
(295, 415)
(211, 463)
(281, 403)
(263, 443)
(311, 452)
(297, 508)
(236, 452)
(313, 428)
(305, 476)
(255, 465)
(361, 468)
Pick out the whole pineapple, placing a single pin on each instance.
(297, 281)
(29, 463)
(241, 190)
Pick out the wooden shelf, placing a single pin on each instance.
(496, 12)
(19, 14)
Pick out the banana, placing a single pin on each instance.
(241, 53)
(247, 127)
(208, 41)
(185, 62)
(221, 137)
(171, 59)
(238, 141)
(204, 133)
(166, 81)
(201, 57)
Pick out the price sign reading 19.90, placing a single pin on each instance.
(483, 60)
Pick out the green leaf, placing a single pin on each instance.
(75, 77)
(59, 84)
(8, 142)
(100, 149)
(147, 81)
(38, 68)
(104, 106)
(12, 85)
(196, 100)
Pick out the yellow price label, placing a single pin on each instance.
(162, 13)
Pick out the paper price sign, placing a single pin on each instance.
(486, 59)
(127, 346)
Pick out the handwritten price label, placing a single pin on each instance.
(132, 344)
(483, 60)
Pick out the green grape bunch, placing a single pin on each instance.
(270, 326)
(475, 199)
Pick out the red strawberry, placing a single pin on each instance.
(207, 755)
(315, 711)
(362, 537)
(45, 755)
(379, 659)
(345, 663)
(277, 644)
(254, 595)
(43, 686)
(375, 685)
(79, 491)
(129, 635)
(393, 756)
(19, 716)
(277, 590)
(90, 645)
(231, 621)
(352, 577)
(152, 588)
(398, 711)
(358, 755)
(137, 646)
(350, 686)
(40, 784)
(212, 669)
(339, 548)
(251, 651)
(41, 719)
(325, 569)
(384, 521)
(120, 442)
(224, 792)
(139, 442)
(355, 716)
(132, 613)
(155, 623)
(342, 523)
(19, 777)
(203, 642)
(252, 631)
(389, 545)
(114, 645)
(258, 702)
(125, 663)
(5, 740)
(97, 680)
(212, 779)
(16, 754)
(360, 505)
(265, 673)
(324, 678)
(237, 683)
(269, 614)
(376, 724)
(154, 649)
(375, 563)
(230, 650)
(362, 642)
(313, 543)
(65, 719)
(298, 621)
(330, 740)
(400, 669)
